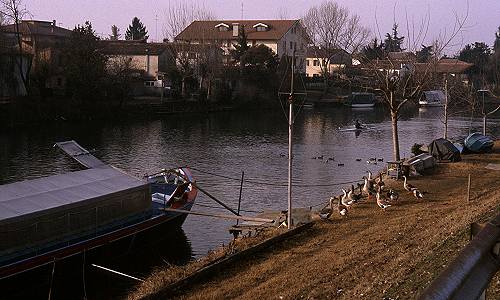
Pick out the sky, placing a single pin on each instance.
(483, 16)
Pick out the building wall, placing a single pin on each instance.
(313, 71)
(294, 38)
(140, 62)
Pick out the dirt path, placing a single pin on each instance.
(373, 254)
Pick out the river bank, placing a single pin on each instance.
(370, 254)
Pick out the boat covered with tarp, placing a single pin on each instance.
(432, 98)
(478, 143)
(443, 150)
(51, 218)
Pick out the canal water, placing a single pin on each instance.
(219, 147)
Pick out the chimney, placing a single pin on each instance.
(236, 29)
(53, 26)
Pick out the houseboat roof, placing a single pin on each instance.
(60, 192)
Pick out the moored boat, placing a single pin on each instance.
(51, 218)
(432, 98)
(477, 142)
(362, 100)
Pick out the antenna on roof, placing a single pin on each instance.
(156, 27)
(242, 10)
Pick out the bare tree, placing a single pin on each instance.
(485, 113)
(401, 79)
(120, 73)
(331, 27)
(189, 57)
(14, 11)
(282, 13)
(180, 15)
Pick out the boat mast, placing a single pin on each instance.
(290, 133)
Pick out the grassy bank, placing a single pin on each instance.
(370, 254)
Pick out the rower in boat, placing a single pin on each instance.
(358, 125)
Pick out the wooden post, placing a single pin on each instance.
(239, 199)
(468, 189)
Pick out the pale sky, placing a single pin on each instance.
(482, 21)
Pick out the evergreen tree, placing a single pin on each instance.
(373, 51)
(496, 44)
(241, 46)
(115, 33)
(136, 31)
(425, 54)
(495, 65)
(85, 69)
(392, 43)
(478, 54)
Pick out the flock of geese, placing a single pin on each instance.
(372, 187)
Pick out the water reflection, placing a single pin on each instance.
(136, 257)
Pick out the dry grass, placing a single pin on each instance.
(168, 275)
(371, 254)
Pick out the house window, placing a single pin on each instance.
(222, 28)
(291, 45)
(315, 75)
(260, 28)
(307, 62)
(316, 62)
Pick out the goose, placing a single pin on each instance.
(392, 195)
(360, 187)
(326, 212)
(345, 201)
(352, 196)
(367, 187)
(408, 186)
(370, 179)
(381, 202)
(341, 208)
(417, 194)
(380, 183)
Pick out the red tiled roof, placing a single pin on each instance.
(33, 27)
(206, 30)
(122, 47)
(446, 65)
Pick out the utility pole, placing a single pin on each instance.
(290, 142)
(446, 106)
